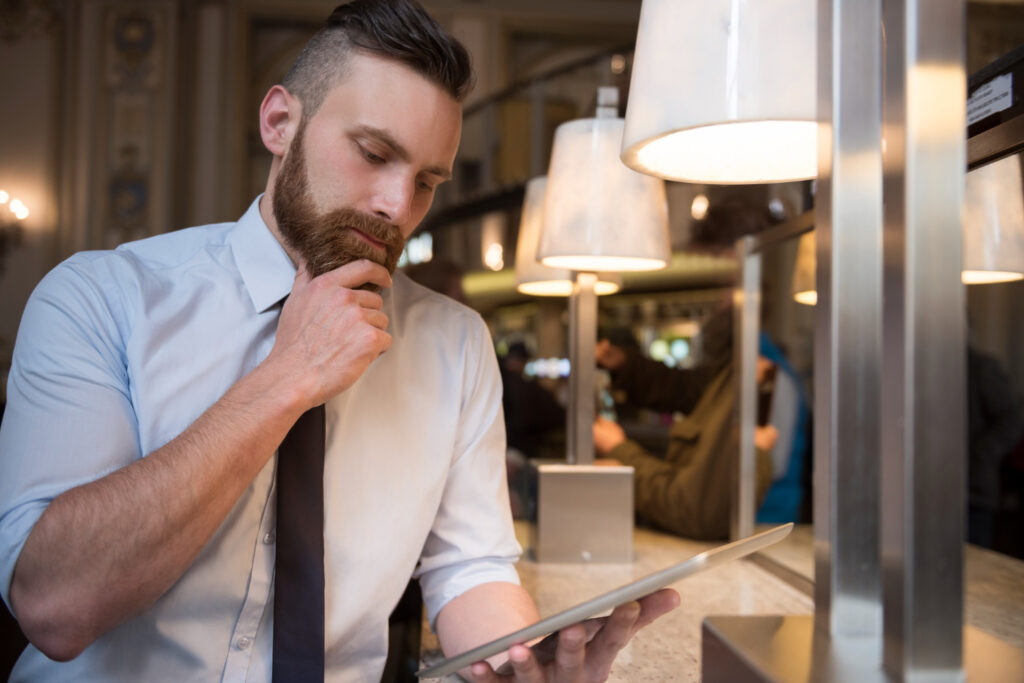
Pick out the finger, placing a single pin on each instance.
(527, 669)
(569, 657)
(656, 605)
(619, 628)
(376, 318)
(480, 672)
(613, 636)
(367, 299)
(358, 273)
(594, 626)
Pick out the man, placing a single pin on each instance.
(152, 385)
(686, 489)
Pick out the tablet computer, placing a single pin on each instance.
(607, 601)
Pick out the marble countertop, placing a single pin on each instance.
(669, 649)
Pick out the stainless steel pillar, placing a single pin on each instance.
(923, 431)
(847, 346)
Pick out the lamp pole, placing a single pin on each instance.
(582, 350)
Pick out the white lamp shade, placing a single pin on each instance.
(598, 214)
(534, 278)
(804, 287)
(724, 91)
(994, 223)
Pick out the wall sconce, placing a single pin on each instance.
(994, 223)
(724, 92)
(534, 278)
(13, 212)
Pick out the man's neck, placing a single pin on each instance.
(267, 213)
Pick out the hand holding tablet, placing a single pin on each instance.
(645, 589)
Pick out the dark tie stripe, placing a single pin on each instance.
(299, 558)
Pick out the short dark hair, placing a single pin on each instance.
(396, 29)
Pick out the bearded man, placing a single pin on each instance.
(142, 487)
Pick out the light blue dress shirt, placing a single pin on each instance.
(119, 351)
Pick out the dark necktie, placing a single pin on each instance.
(299, 560)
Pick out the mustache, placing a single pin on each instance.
(334, 243)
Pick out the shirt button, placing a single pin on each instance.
(243, 642)
(268, 538)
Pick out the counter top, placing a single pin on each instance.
(669, 649)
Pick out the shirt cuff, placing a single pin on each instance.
(445, 583)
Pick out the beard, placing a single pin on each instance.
(326, 241)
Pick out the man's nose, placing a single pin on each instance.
(393, 200)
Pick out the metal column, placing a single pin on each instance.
(923, 430)
(848, 341)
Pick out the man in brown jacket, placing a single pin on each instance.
(686, 491)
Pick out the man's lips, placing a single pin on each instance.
(373, 242)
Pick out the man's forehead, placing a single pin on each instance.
(399, 107)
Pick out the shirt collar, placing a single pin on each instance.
(266, 269)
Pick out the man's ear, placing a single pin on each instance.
(279, 118)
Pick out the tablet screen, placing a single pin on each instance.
(607, 601)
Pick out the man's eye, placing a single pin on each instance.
(372, 158)
(424, 187)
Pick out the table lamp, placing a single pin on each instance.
(598, 216)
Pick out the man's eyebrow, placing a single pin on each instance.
(386, 139)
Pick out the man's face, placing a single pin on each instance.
(360, 174)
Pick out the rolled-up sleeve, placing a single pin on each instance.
(69, 418)
(473, 540)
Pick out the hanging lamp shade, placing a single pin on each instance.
(805, 290)
(534, 278)
(598, 214)
(724, 91)
(994, 223)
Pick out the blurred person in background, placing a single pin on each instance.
(686, 489)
